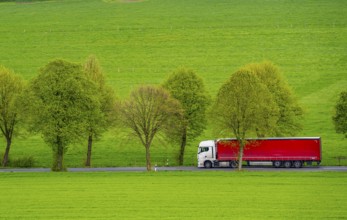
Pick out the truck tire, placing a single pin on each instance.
(297, 164)
(233, 164)
(287, 164)
(208, 164)
(277, 163)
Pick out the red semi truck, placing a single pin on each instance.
(281, 152)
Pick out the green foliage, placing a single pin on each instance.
(149, 111)
(340, 117)
(172, 195)
(62, 102)
(104, 119)
(106, 95)
(290, 112)
(11, 86)
(93, 70)
(244, 106)
(188, 88)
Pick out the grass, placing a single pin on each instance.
(142, 42)
(174, 195)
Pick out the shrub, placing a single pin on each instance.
(23, 162)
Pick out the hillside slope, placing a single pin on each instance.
(142, 42)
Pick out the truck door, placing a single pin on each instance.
(205, 153)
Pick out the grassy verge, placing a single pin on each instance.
(173, 195)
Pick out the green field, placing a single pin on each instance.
(174, 195)
(143, 42)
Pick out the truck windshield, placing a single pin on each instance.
(203, 149)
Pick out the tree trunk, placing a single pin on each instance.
(7, 152)
(58, 164)
(89, 152)
(148, 159)
(183, 146)
(241, 143)
(60, 158)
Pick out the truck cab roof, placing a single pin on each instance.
(208, 143)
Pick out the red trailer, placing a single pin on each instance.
(286, 152)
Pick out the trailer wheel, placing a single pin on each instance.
(233, 164)
(297, 164)
(277, 163)
(287, 164)
(208, 164)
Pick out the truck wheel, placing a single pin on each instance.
(233, 164)
(287, 164)
(277, 164)
(207, 164)
(297, 164)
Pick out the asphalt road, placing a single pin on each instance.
(195, 169)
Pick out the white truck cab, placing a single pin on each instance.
(206, 153)
(207, 156)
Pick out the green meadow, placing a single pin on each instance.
(174, 195)
(142, 42)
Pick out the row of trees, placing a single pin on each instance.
(69, 103)
(176, 109)
(65, 102)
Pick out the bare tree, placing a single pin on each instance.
(148, 111)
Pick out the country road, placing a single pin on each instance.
(195, 169)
